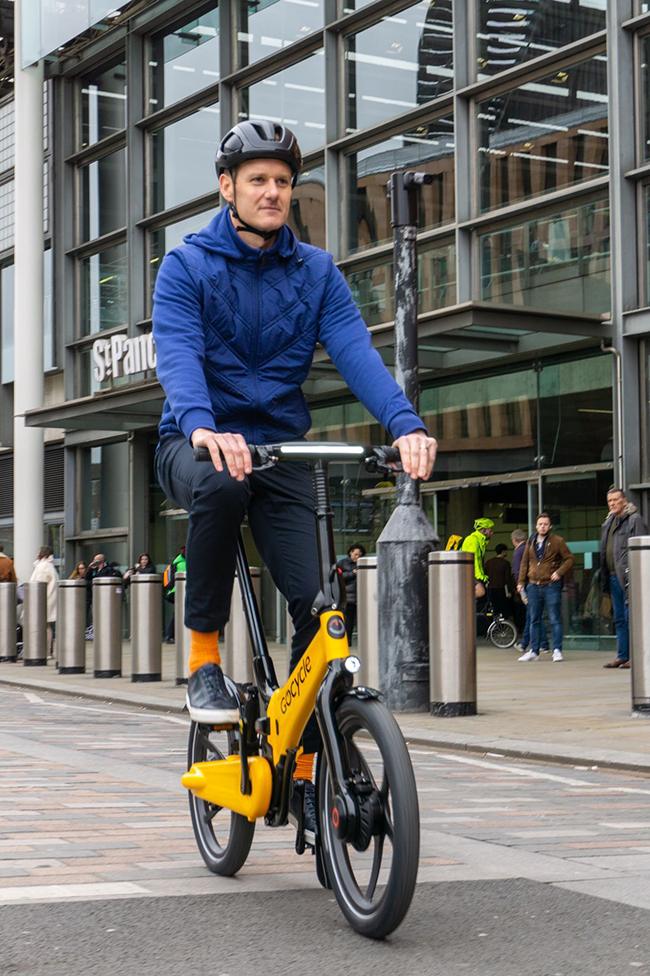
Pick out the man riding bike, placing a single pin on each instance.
(476, 542)
(238, 310)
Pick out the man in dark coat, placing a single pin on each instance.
(622, 522)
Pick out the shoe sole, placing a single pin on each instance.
(213, 716)
(308, 835)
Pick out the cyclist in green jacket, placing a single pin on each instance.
(477, 542)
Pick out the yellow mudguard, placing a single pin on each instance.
(219, 782)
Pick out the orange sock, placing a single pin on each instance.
(204, 649)
(304, 766)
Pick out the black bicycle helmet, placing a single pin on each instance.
(258, 139)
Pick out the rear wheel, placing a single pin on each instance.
(224, 838)
(502, 633)
(373, 870)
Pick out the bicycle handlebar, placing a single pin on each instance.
(384, 458)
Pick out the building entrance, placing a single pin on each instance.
(575, 499)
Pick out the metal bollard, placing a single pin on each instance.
(368, 621)
(639, 581)
(452, 634)
(107, 624)
(181, 632)
(146, 627)
(35, 625)
(8, 650)
(237, 660)
(71, 626)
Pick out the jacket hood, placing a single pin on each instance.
(630, 509)
(220, 237)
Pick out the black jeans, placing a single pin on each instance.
(280, 507)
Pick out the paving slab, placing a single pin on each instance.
(574, 712)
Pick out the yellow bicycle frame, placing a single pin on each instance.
(289, 709)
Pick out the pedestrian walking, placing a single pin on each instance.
(7, 571)
(45, 572)
(348, 568)
(545, 561)
(500, 586)
(622, 522)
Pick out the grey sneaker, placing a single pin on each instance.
(209, 700)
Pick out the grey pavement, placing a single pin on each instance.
(569, 712)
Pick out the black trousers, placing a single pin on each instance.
(280, 507)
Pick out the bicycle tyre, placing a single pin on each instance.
(225, 851)
(502, 633)
(391, 812)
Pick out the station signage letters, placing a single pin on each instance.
(121, 355)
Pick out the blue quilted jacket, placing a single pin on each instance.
(235, 330)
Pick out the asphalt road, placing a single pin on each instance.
(526, 868)
(491, 928)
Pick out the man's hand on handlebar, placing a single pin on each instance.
(418, 453)
(232, 448)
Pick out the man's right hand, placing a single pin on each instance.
(231, 448)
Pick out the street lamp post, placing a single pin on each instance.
(408, 537)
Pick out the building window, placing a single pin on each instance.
(511, 33)
(7, 324)
(103, 104)
(103, 195)
(103, 290)
(555, 261)
(104, 486)
(294, 97)
(7, 319)
(373, 285)
(184, 61)
(403, 61)
(265, 28)
(545, 135)
(307, 213)
(644, 51)
(427, 147)
(183, 158)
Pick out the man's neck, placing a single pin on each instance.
(542, 538)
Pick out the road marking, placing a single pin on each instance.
(33, 699)
(36, 700)
(85, 891)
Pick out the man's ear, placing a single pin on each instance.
(226, 187)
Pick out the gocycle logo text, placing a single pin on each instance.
(294, 689)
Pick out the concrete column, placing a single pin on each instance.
(28, 308)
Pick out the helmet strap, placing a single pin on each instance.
(266, 235)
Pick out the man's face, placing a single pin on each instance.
(616, 502)
(261, 192)
(488, 533)
(99, 559)
(355, 554)
(543, 525)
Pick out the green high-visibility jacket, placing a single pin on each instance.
(476, 542)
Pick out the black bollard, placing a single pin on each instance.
(408, 537)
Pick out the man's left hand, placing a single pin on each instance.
(418, 453)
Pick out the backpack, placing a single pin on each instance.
(454, 543)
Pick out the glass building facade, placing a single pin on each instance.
(533, 244)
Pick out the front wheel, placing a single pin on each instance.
(224, 838)
(502, 633)
(373, 871)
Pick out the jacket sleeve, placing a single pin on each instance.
(568, 559)
(523, 568)
(638, 526)
(180, 345)
(346, 338)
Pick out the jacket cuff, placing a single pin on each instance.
(194, 419)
